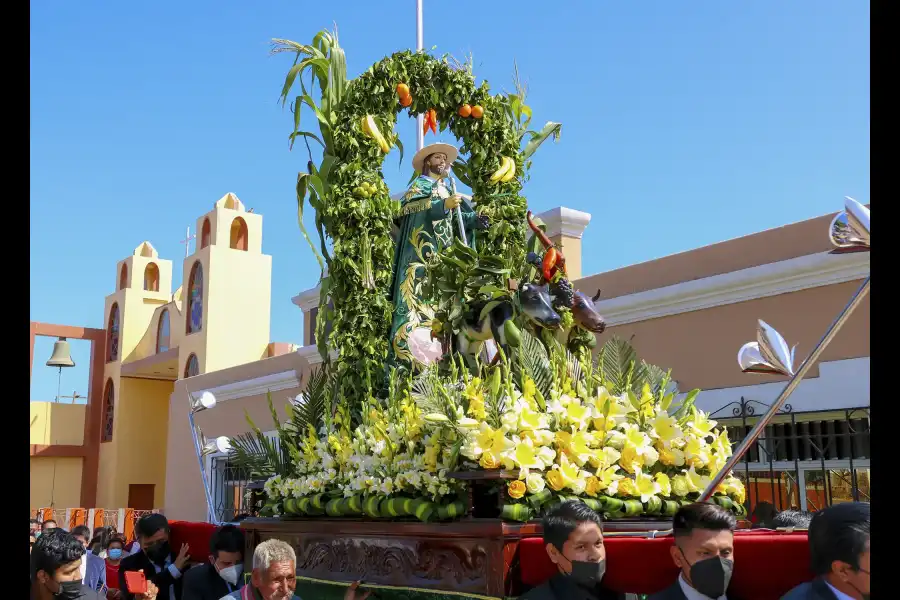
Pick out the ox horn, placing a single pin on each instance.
(596, 296)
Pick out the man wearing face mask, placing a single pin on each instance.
(155, 559)
(839, 554)
(573, 538)
(56, 570)
(222, 574)
(703, 551)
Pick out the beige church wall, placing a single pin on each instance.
(55, 482)
(55, 423)
(185, 498)
(137, 453)
(701, 346)
(770, 246)
(238, 321)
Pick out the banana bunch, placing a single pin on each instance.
(506, 171)
(370, 128)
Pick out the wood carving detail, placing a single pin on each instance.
(461, 564)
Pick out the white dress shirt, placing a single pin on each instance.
(838, 593)
(692, 594)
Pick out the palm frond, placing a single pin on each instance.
(535, 363)
(614, 362)
(308, 410)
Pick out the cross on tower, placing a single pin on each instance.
(75, 396)
(187, 242)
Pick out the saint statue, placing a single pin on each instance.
(428, 223)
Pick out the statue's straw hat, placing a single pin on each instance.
(418, 160)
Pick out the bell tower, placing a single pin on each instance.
(134, 407)
(226, 301)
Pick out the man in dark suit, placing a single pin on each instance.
(703, 551)
(839, 554)
(573, 537)
(155, 559)
(222, 574)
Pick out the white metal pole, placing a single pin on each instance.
(420, 45)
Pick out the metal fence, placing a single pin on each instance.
(803, 461)
(233, 493)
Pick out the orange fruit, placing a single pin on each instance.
(405, 100)
(465, 110)
(402, 90)
(477, 111)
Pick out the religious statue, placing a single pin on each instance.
(432, 214)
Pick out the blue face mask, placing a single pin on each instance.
(115, 553)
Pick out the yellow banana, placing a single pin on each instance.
(500, 172)
(370, 128)
(511, 172)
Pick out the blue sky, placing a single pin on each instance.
(684, 124)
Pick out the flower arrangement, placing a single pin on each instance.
(609, 433)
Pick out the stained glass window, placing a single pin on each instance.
(108, 411)
(162, 332)
(192, 367)
(195, 300)
(112, 334)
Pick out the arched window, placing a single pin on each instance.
(162, 332)
(109, 397)
(112, 334)
(194, 318)
(151, 278)
(123, 277)
(239, 234)
(192, 367)
(204, 234)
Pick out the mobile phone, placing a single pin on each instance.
(136, 582)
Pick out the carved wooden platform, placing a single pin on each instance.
(476, 556)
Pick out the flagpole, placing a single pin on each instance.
(420, 45)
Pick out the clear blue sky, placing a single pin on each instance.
(684, 124)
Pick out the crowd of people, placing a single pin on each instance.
(81, 565)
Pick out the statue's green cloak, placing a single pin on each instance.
(424, 228)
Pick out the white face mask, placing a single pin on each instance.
(231, 574)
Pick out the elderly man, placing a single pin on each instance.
(274, 574)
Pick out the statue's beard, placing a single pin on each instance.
(439, 171)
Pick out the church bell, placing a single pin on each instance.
(62, 355)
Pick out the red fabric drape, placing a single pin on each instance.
(767, 564)
(195, 535)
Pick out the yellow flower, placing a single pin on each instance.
(569, 470)
(578, 414)
(494, 440)
(528, 389)
(526, 458)
(627, 488)
(599, 422)
(631, 461)
(592, 486)
(555, 480)
(680, 486)
(516, 489)
(665, 485)
(534, 482)
(489, 461)
(696, 481)
(671, 457)
(635, 437)
(735, 488)
(721, 445)
(609, 478)
(665, 427)
(646, 486)
(700, 423)
(579, 447)
(532, 420)
(696, 451)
